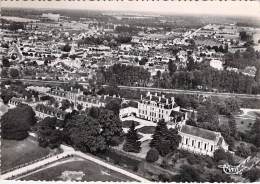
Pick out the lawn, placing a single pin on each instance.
(243, 123)
(15, 153)
(88, 170)
(147, 129)
(127, 124)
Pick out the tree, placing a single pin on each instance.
(191, 65)
(79, 107)
(253, 174)
(132, 143)
(232, 105)
(16, 122)
(47, 133)
(255, 133)
(159, 133)
(143, 61)
(232, 126)
(152, 155)
(165, 140)
(6, 95)
(171, 67)
(208, 117)
(220, 154)
(114, 105)
(5, 62)
(94, 112)
(188, 174)
(257, 75)
(243, 151)
(111, 126)
(85, 134)
(14, 73)
(65, 104)
(66, 48)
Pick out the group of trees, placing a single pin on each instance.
(16, 123)
(202, 76)
(91, 132)
(108, 40)
(240, 60)
(209, 79)
(244, 36)
(125, 75)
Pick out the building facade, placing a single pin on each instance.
(156, 107)
(201, 141)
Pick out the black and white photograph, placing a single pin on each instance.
(130, 91)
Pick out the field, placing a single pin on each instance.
(77, 169)
(244, 120)
(15, 153)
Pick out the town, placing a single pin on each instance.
(113, 96)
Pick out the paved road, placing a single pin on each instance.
(172, 91)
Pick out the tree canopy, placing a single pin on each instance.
(16, 122)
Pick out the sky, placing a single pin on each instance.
(242, 8)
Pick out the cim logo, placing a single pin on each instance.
(247, 164)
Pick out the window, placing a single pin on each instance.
(186, 140)
(211, 148)
(205, 146)
(192, 142)
(198, 144)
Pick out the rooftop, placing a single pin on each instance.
(199, 132)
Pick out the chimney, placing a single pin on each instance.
(141, 96)
(173, 100)
(160, 98)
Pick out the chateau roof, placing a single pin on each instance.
(199, 132)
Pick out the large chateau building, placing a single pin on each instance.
(156, 107)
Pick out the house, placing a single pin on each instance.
(126, 47)
(201, 141)
(217, 64)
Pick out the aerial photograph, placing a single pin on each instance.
(125, 91)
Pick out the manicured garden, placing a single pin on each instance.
(15, 153)
(90, 172)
